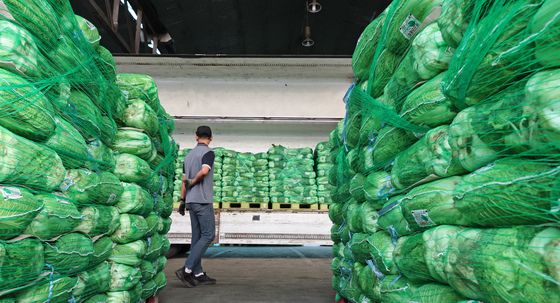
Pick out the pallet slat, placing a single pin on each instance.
(293, 206)
(244, 205)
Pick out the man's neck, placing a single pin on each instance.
(203, 142)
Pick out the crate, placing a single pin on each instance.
(294, 206)
(244, 205)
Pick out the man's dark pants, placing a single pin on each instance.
(203, 231)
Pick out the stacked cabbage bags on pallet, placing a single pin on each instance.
(229, 176)
(292, 175)
(181, 154)
(86, 164)
(447, 163)
(323, 164)
(261, 178)
(245, 178)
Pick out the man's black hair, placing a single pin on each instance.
(204, 132)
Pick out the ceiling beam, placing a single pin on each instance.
(108, 25)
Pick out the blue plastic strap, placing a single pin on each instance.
(375, 269)
(394, 235)
(51, 282)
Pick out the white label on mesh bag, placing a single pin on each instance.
(10, 193)
(409, 26)
(421, 217)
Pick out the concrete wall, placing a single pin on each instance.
(250, 103)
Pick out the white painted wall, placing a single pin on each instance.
(251, 103)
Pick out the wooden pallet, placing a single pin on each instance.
(294, 206)
(216, 205)
(244, 205)
(324, 207)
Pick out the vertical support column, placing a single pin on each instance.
(138, 31)
(115, 15)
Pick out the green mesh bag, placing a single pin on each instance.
(21, 262)
(546, 24)
(58, 216)
(139, 115)
(166, 226)
(26, 112)
(360, 247)
(391, 218)
(18, 208)
(129, 296)
(154, 247)
(70, 253)
(130, 168)
(409, 256)
(137, 86)
(357, 188)
(19, 51)
(101, 157)
(69, 144)
(336, 213)
(106, 64)
(436, 293)
(396, 289)
(148, 271)
(369, 218)
(365, 48)
(93, 281)
(149, 289)
(130, 254)
(85, 187)
(432, 204)
(124, 277)
(383, 247)
(135, 200)
(131, 228)
(354, 216)
(45, 170)
(369, 284)
(161, 280)
(98, 220)
(454, 20)
(161, 262)
(155, 223)
(89, 30)
(81, 112)
(100, 298)
(102, 249)
(134, 142)
(57, 290)
(377, 187)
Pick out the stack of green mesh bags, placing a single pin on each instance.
(292, 175)
(447, 162)
(261, 178)
(245, 178)
(323, 165)
(178, 182)
(229, 176)
(218, 157)
(86, 165)
(276, 163)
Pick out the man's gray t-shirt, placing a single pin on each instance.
(203, 192)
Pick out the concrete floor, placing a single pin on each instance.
(269, 279)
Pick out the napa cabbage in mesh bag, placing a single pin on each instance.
(37, 16)
(435, 293)
(131, 228)
(357, 188)
(134, 142)
(396, 289)
(124, 277)
(383, 246)
(100, 156)
(369, 218)
(161, 262)
(93, 281)
(130, 253)
(161, 280)
(496, 52)
(433, 204)
(108, 130)
(428, 159)
(25, 110)
(149, 288)
(148, 270)
(390, 141)
(86, 187)
(26, 163)
(138, 86)
(378, 187)
(83, 114)
(20, 263)
(454, 20)
(70, 253)
(102, 249)
(391, 218)
(508, 192)
(365, 48)
(99, 298)
(59, 290)
(409, 256)
(360, 247)
(18, 208)
(18, 50)
(69, 144)
(139, 115)
(154, 246)
(89, 30)
(58, 216)
(98, 220)
(353, 216)
(369, 284)
(135, 200)
(106, 64)
(127, 296)
(383, 68)
(130, 168)
(155, 223)
(546, 25)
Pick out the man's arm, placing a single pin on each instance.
(207, 164)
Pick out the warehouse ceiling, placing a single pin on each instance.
(243, 27)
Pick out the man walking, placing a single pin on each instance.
(198, 198)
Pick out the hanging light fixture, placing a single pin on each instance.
(307, 41)
(314, 6)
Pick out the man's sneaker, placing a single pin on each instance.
(204, 279)
(187, 279)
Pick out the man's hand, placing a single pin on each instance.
(182, 208)
(189, 183)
